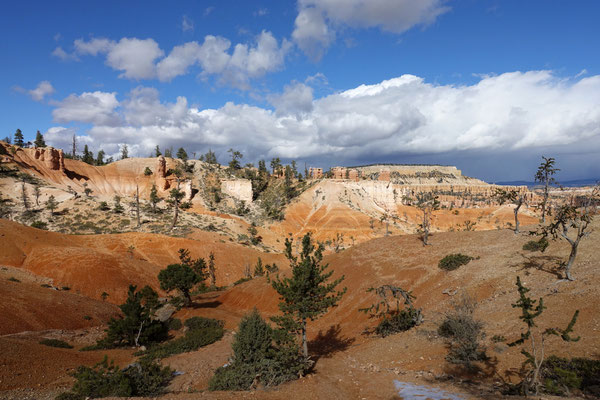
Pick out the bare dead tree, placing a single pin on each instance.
(137, 204)
(571, 224)
(512, 196)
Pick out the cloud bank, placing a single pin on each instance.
(518, 111)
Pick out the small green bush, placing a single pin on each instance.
(242, 280)
(464, 335)
(498, 339)
(175, 324)
(399, 322)
(69, 396)
(454, 261)
(202, 332)
(39, 225)
(13, 279)
(56, 343)
(195, 323)
(561, 375)
(145, 378)
(147, 171)
(536, 245)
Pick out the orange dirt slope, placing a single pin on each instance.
(93, 264)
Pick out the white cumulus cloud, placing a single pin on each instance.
(98, 108)
(43, 89)
(237, 67)
(143, 59)
(135, 57)
(314, 28)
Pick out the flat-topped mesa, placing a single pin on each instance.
(402, 174)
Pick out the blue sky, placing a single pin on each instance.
(486, 85)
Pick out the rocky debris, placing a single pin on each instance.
(165, 312)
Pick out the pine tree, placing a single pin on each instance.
(24, 197)
(261, 355)
(51, 205)
(236, 156)
(18, 138)
(535, 336)
(37, 193)
(544, 175)
(179, 277)
(290, 191)
(124, 152)
(88, 156)
(100, 157)
(137, 326)
(154, 198)
(306, 295)
(182, 154)
(157, 152)
(262, 168)
(74, 147)
(211, 269)
(175, 196)
(210, 157)
(197, 265)
(259, 269)
(275, 165)
(39, 140)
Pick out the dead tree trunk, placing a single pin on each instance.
(137, 205)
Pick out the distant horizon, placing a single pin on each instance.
(591, 180)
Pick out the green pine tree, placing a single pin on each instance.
(18, 138)
(88, 156)
(179, 277)
(100, 157)
(39, 140)
(306, 295)
(154, 198)
(535, 336)
(182, 154)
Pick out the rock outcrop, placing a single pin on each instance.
(53, 158)
(240, 189)
(161, 174)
